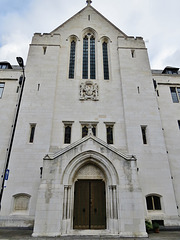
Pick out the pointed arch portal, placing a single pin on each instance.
(91, 177)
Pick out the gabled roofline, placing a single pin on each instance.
(52, 156)
(89, 6)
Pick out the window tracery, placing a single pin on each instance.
(89, 62)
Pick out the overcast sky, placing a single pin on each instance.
(157, 21)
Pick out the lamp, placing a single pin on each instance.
(20, 61)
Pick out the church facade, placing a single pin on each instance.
(96, 145)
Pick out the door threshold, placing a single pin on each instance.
(89, 232)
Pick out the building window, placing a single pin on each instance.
(89, 57)
(67, 134)
(109, 133)
(21, 202)
(175, 93)
(32, 132)
(3, 66)
(105, 61)
(85, 57)
(84, 131)
(153, 202)
(92, 58)
(72, 59)
(144, 134)
(1, 89)
(179, 123)
(133, 53)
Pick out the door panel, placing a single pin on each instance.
(89, 205)
(98, 206)
(81, 205)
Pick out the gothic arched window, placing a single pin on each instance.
(105, 61)
(89, 63)
(92, 58)
(72, 59)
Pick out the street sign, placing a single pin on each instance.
(7, 174)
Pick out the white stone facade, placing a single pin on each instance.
(130, 167)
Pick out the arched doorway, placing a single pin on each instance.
(90, 168)
(89, 199)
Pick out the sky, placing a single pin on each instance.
(157, 21)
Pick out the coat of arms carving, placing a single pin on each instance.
(89, 91)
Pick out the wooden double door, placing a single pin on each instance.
(89, 205)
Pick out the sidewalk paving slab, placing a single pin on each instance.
(26, 234)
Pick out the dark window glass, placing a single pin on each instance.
(133, 53)
(1, 89)
(149, 203)
(85, 58)
(32, 132)
(109, 130)
(153, 203)
(143, 129)
(94, 130)
(178, 91)
(84, 131)
(3, 66)
(174, 94)
(105, 61)
(157, 203)
(72, 59)
(67, 135)
(92, 58)
(179, 123)
(155, 84)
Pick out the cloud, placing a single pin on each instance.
(173, 58)
(12, 49)
(156, 21)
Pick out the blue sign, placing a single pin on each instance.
(7, 174)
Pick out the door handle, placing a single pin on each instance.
(95, 210)
(84, 209)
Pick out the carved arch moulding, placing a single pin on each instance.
(89, 91)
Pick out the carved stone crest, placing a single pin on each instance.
(89, 91)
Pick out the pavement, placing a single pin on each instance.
(25, 234)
